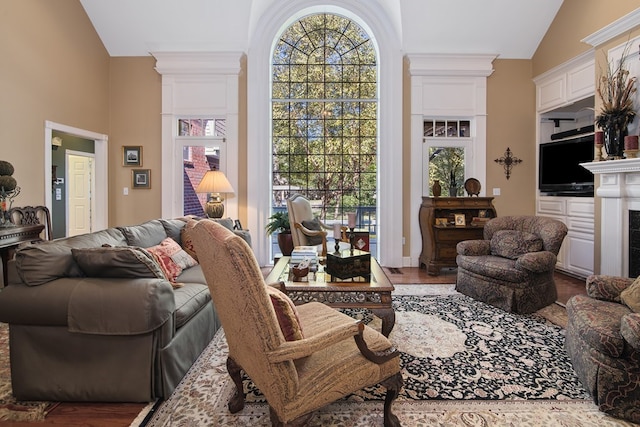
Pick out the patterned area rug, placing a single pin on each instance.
(10, 408)
(464, 364)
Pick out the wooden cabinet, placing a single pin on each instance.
(439, 241)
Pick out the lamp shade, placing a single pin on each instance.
(214, 182)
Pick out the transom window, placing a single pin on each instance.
(324, 118)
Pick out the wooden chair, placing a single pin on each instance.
(301, 218)
(32, 215)
(328, 355)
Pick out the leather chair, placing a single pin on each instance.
(512, 267)
(306, 229)
(33, 215)
(603, 343)
(300, 357)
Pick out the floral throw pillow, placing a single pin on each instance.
(186, 236)
(513, 243)
(171, 258)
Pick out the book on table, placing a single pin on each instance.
(301, 253)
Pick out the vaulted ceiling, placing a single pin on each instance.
(506, 28)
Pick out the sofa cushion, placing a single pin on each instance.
(513, 243)
(173, 227)
(171, 258)
(190, 299)
(631, 296)
(286, 313)
(43, 262)
(118, 262)
(313, 225)
(144, 235)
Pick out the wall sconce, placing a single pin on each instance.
(214, 182)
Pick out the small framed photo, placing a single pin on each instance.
(131, 155)
(442, 221)
(482, 213)
(460, 220)
(141, 178)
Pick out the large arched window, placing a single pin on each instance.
(324, 105)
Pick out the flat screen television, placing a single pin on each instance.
(559, 170)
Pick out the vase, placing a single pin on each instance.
(614, 132)
(453, 191)
(436, 188)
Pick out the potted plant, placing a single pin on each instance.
(279, 223)
(616, 88)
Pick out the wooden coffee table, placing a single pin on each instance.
(350, 293)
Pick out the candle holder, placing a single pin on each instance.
(337, 246)
(351, 238)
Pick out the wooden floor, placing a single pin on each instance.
(122, 414)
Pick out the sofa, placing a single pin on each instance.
(117, 315)
(603, 343)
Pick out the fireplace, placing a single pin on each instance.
(619, 235)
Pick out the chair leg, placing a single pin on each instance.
(236, 403)
(393, 385)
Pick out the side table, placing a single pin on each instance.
(11, 237)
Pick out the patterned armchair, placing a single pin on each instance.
(512, 267)
(603, 342)
(300, 357)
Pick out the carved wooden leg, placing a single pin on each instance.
(236, 403)
(388, 317)
(393, 385)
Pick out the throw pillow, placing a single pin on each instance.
(631, 296)
(512, 243)
(286, 313)
(171, 258)
(186, 235)
(313, 225)
(117, 262)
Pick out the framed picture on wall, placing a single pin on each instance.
(141, 178)
(131, 155)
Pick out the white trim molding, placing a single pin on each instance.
(617, 27)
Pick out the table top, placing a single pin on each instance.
(13, 235)
(322, 281)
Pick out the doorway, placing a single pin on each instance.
(93, 182)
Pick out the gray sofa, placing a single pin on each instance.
(124, 333)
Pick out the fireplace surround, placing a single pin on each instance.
(619, 193)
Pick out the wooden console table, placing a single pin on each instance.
(11, 237)
(439, 241)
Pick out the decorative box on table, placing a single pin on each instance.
(346, 264)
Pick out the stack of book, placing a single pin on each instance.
(478, 221)
(301, 253)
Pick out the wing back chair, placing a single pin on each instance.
(306, 230)
(33, 215)
(603, 343)
(300, 357)
(512, 267)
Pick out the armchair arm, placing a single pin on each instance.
(308, 232)
(630, 330)
(607, 288)
(537, 262)
(474, 247)
(291, 350)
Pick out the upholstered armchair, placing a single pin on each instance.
(512, 267)
(603, 343)
(300, 357)
(307, 230)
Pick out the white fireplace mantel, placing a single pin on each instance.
(619, 190)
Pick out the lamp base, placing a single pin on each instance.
(214, 207)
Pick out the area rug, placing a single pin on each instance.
(464, 364)
(10, 408)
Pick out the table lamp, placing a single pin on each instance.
(214, 182)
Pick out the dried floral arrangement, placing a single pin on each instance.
(616, 88)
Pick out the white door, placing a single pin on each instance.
(80, 184)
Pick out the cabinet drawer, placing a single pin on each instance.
(551, 206)
(580, 207)
(457, 234)
(446, 252)
(584, 225)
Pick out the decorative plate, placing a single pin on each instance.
(472, 186)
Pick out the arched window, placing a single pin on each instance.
(324, 105)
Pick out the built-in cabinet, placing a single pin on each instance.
(563, 97)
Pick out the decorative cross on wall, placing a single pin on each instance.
(508, 161)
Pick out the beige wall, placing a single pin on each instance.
(510, 124)
(53, 67)
(135, 119)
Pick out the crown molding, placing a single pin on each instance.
(616, 28)
(212, 63)
(438, 64)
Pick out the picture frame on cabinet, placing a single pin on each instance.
(442, 222)
(460, 220)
